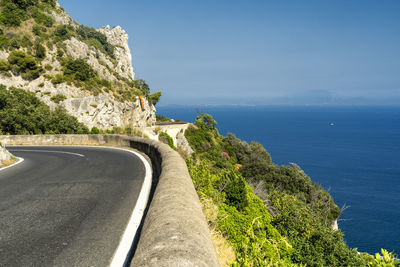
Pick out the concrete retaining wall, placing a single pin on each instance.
(174, 231)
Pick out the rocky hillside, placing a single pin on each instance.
(88, 71)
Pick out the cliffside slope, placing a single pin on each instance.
(87, 71)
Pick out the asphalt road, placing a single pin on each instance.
(66, 206)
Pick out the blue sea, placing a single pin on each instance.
(353, 152)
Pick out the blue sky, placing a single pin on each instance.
(259, 52)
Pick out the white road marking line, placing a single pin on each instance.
(125, 244)
(48, 151)
(12, 165)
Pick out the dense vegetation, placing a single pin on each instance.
(166, 139)
(271, 215)
(16, 11)
(22, 113)
(24, 64)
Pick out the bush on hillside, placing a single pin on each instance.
(79, 69)
(41, 18)
(12, 14)
(161, 118)
(142, 86)
(166, 139)
(24, 64)
(4, 66)
(15, 11)
(155, 98)
(94, 130)
(50, 2)
(97, 39)
(62, 32)
(58, 98)
(21, 112)
(242, 217)
(236, 194)
(40, 51)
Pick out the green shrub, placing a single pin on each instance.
(4, 66)
(79, 69)
(58, 98)
(24, 64)
(236, 194)
(36, 29)
(26, 41)
(4, 42)
(50, 2)
(255, 240)
(41, 18)
(21, 112)
(97, 39)
(48, 67)
(58, 79)
(62, 32)
(60, 53)
(142, 86)
(117, 130)
(40, 51)
(155, 98)
(94, 130)
(161, 118)
(166, 139)
(12, 14)
(207, 185)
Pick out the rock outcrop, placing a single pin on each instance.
(102, 108)
(183, 143)
(119, 39)
(4, 154)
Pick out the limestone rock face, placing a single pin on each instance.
(96, 59)
(102, 111)
(335, 225)
(4, 154)
(63, 17)
(119, 38)
(183, 143)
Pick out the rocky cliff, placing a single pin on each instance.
(87, 71)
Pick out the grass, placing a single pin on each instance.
(225, 252)
(9, 162)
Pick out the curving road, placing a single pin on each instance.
(66, 206)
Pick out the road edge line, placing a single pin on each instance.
(20, 160)
(124, 247)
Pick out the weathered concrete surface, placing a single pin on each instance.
(175, 232)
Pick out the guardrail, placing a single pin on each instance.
(174, 231)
